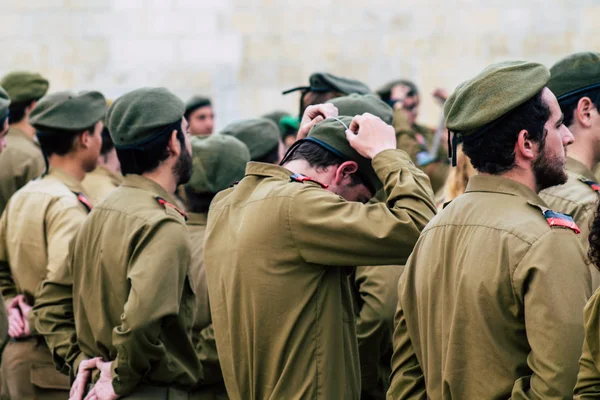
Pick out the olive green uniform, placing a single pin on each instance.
(579, 200)
(35, 230)
(132, 296)
(212, 386)
(100, 182)
(375, 296)
(415, 139)
(20, 162)
(588, 379)
(491, 301)
(278, 254)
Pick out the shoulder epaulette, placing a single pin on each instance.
(303, 178)
(165, 204)
(84, 200)
(561, 220)
(594, 185)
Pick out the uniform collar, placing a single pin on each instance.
(67, 179)
(498, 184)
(199, 219)
(578, 168)
(16, 132)
(141, 182)
(270, 170)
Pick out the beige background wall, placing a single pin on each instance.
(245, 52)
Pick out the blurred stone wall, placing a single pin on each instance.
(245, 52)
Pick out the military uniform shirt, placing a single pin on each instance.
(100, 182)
(35, 231)
(579, 200)
(132, 294)
(20, 162)
(490, 304)
(588, 379)
(275, 253)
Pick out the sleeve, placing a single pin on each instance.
(588, 379)
(53, 317)
(156, 274)
(206, 349)
(329, 230)
(407, 380)
(553, 283)
(8, 289)
(376, 288)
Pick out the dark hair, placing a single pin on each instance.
(198, 202)
(594, 239)
(270, 157)
(206, 103)
(59, 142)
(569, 105)
(319, 158)
(493, 152)
(107, 143)
(17, 110)
(147, 157)
(310, 98)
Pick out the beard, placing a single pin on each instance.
(549, 170)
(183, 167)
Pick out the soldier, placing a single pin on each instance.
(36, 227)
(416, 139)
(23, 160)
(575, 80)
(126, 294)
(490, 304)
(200, 116)
(219, 162)
(323, 86)
(107, 175)
(288, 126)
(261, 136)
(280, 245)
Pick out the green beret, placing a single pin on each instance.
(68, 111)
(324, 82)
(4, 103)
(356, 104)
(386, 90)
(194, 103)
(331, 134)
(218, 162)
(574, 75)
(498, 89)
(260, 135)
(138, 116)
(23, 86)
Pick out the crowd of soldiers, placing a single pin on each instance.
(336, 254)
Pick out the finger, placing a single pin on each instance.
(350, 136)
(355, 124)
(91, 393)
(316, 120)
(329, 110)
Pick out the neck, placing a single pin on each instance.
(524, 177)
(69, 165)
(164, 177)
(583, 149)
(24, 126)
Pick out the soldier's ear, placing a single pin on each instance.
(583, 112)
(174, 146)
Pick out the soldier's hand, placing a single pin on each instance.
(398, 94)
(16, 326)
(83, 377)
(441, 95)
(369, 135)
(103, 389)
(25, 310)
(313, 115)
